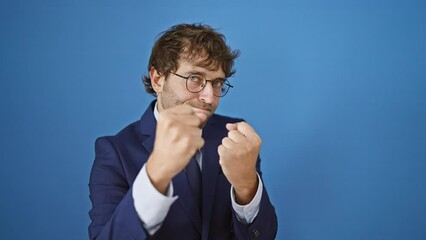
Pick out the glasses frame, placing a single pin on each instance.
(226, 82)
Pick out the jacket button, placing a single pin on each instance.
(255, 233)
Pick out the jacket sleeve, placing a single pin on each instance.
(264, 226)
(113, 213)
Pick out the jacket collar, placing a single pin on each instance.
(148, 126)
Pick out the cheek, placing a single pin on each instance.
(172, 95)
(215, 104)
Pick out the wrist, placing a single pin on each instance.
(157, 177)
(245, 193)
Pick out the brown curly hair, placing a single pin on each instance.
(190, 41)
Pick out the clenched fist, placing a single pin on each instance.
(178, 137)
(238, 155)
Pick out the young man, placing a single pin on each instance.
(181, 171)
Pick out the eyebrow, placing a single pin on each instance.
(189, 72)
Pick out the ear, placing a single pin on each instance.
(157, 80)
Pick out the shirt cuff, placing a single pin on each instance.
(151, 206)
(247, 213)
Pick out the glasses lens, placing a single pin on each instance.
(195, 83)
(224, 88)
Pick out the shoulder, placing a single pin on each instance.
(217, 119)
(217, 123)
(125, 136)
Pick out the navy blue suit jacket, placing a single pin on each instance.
(118, 161)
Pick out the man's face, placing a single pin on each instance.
(173, 91)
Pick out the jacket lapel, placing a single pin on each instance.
(147, 126)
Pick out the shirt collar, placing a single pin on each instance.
(156, 114)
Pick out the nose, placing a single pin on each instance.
(206, 95)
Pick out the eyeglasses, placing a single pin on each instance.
(195, 83)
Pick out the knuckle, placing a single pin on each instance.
(167, 122)
(257, 141)
(220, 149)
(221, 162)
(186, 141)
(232, 133)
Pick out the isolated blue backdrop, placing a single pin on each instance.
(335, 88)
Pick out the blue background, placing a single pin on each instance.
(335, 88)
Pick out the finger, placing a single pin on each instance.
(236, 136)
(176, 112)
(222, 151)
(246, 129)
(198, 143)
(191, 140)
(228, 143)
(202, 116)
(231, 126)
(189, 120)
(181, 109)
(190, 130)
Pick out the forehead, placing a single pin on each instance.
(197, 65)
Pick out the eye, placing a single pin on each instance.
(196, 78)
(217, 84)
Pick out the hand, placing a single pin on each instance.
(238, 155)
(178, 137)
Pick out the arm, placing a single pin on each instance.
(240, 163)
(113, 213)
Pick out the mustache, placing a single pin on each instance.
(202, 105)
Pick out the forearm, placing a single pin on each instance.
(247, 212)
